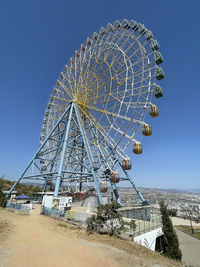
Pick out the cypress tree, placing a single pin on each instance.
(170, 239)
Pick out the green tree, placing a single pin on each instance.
(170, 239)
(3, 200)
(172, 212)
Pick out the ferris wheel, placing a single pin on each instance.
(96, 111)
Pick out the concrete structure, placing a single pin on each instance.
(149, 239)
(138, 212)
(91, 201)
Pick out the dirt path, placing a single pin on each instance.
(41, 241)
(33, 243)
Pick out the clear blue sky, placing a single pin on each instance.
(37, 39)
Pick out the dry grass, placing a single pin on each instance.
(126, 246)
(134, 249)
(62, 225)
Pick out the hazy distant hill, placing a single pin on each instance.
(35, 184)
(173, 190)
(197, 190)
(29, 187)
(170, 190)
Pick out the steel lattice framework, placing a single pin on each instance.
(96, 108)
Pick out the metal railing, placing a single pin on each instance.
(147, 226)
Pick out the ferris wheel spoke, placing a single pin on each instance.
(62, 99)
(113, 40)
(115, 57)
(101, 154)
(139, 72)
(146, 57)
(140, 47)
(92, 70)
(134, 40)
(124, 134)
(102, 131)
(135, 63)
(116, 72)
(103, 75)
(120, 94)
(115, 115)
(126, 50)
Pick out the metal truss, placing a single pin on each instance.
(71, 159)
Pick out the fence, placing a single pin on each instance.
(147, 226)
(53, 212)
(142, 226)
(18, 207)
(72, 215)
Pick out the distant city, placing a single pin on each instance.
(185, 203)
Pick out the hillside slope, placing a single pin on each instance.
(29, 190)
(38, 240)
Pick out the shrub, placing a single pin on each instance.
(108, 220)
(92, 224)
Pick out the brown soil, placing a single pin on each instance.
(38, 240)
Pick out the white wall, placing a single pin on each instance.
(148, 239)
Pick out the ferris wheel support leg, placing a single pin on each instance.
(16, 183)
(13, 187)
(35, 156)
(89, 156)
(58, 182)
(144, 202)
(45, 185)
(115, 191)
